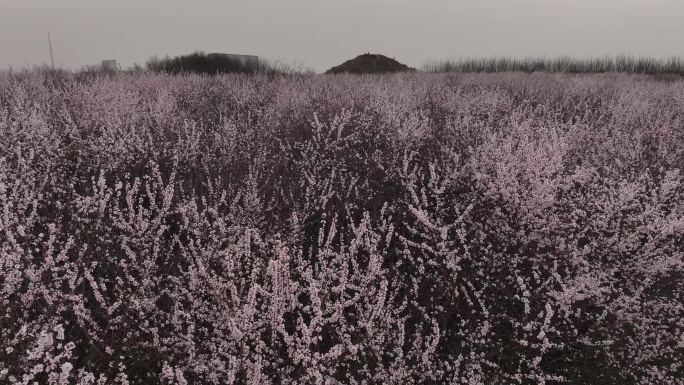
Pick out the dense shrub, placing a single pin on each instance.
(202, 64)
(405, 229)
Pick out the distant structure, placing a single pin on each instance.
(243, 59)
(109, 65)
(52, 58)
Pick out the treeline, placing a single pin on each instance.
(197, 63)
(201, 63)
(564, 64)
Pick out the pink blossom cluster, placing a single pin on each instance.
(405, 229)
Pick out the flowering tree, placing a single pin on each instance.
(412, 228)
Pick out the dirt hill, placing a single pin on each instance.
(370, 64)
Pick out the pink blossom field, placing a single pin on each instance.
(502, 228)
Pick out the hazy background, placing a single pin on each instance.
(323, 34)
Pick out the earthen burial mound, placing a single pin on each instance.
(370, 64)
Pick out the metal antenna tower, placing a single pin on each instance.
(52, 59)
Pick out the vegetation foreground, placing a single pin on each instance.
(407, 229)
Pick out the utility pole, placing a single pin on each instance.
(52, 59)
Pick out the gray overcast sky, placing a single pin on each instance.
(324, 33)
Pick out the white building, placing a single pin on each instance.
(109, 65)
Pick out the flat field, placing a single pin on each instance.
(323, 229)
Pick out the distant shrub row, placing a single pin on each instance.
(201, 63)
(565, 64)
(197, 63)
